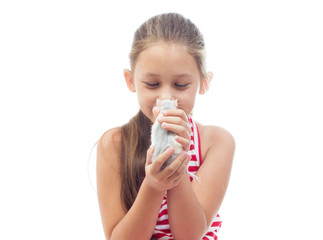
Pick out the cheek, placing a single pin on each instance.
(146, 103)
(188, 108)
(187, 103)
(187, 100)
(145, 98)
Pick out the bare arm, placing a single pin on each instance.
(192, 206)
(140, 220)
(186, 216)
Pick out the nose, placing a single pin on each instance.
(166, 93)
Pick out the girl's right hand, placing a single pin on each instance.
(167, 178)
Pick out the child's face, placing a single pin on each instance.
(166, 71)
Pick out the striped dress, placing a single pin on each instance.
(162, 228)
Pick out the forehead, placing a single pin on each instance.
(166, 58)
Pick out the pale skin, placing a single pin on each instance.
(166, 71)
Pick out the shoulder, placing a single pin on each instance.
(109, 147)
(112, 137)
(109, 179)
(216, 134)
(215, 137)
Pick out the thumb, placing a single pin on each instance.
(150, 153)
(156, 111)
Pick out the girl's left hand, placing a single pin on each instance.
(175, 120)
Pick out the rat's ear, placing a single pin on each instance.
(129, 80)
(205, 83)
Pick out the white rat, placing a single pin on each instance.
(162, 139)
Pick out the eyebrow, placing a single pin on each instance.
(151, 75)
(177, 75)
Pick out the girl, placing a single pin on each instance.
(138, 199)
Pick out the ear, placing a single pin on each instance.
(205, 83)
(129, 80)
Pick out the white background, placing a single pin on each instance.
(62, 86)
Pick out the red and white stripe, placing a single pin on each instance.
(162, 228)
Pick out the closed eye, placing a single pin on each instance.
(151, 84)
(181, 85)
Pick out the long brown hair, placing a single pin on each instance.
(171, 27)
(135, 142)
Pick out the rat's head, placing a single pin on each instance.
(167, 61)
(166, 104)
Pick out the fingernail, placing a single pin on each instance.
(164, 125)
(171, 149)
(152, 148)
(185, 154)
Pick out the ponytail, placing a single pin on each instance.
(135, 141)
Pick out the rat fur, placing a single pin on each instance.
(161, 138)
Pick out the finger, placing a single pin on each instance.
(184, 142)
(150, 153)
(174, 120)
(175, 112)
(175, 116)
(161, 159)
(181, 169)
(178, 129)
(173, 168)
